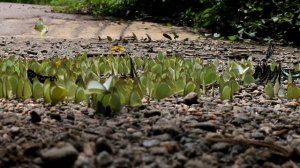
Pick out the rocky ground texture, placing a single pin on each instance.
(191, 131)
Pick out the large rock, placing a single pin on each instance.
(63, 155)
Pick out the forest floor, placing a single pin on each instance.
(250, 131)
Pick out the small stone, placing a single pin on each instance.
(103, 145)
(15, 129)
(292, 104)
(104, 159)
(258, 135)
(148, 159)
(151, 142)
(32, 52)
(171, 146)
(192, 109)
(220, 146)
(191, 98)
(63, 156)
(170, 128)
(121, 162)
(71, 116)
(180, 157)
(152, 113)
(35, 117)
(207, 125)
(240, 119)
(225, 108)
(196, 164)
(137, 134)
(55, 116)
(44, 51)
(295, 145)
(84, 161)
(163, 137)
(158, 150)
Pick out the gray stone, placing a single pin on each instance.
(258, 135)
(191, 98)
(152, 113)
(220, 146)
(295, 145)
(15, 129)
(196, 164)
(104, 159)
(103, 145)
(64, 155)
(240, 119)
(151, 142)
(156, 150)
(121, 162)
(207, 125)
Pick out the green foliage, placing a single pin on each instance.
(232, 19)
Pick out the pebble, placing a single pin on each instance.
(220, 146)
(84, 161)
(240, 119)
(168, 127)
(62, 156)
(103, 145)
(295, 145)
(152, 113)
(207, 125)
(121, 162)
(104, 159)
(191, 98)
(171, 146)
(196, 164)
(15, 129)
(158, 150)
(151, 142)
(258, 135)
(148, 158)
(55, 116)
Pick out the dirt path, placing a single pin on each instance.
(18, 20)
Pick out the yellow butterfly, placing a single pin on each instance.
(41, 27)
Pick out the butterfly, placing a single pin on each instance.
(31, 75)
(41, 27)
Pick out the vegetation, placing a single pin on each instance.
(257, 20)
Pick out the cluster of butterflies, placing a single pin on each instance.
(147, 39)
(265, 73)
(41, 78)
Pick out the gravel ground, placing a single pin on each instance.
(192, 132)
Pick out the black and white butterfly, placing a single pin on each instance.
(31, 75)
